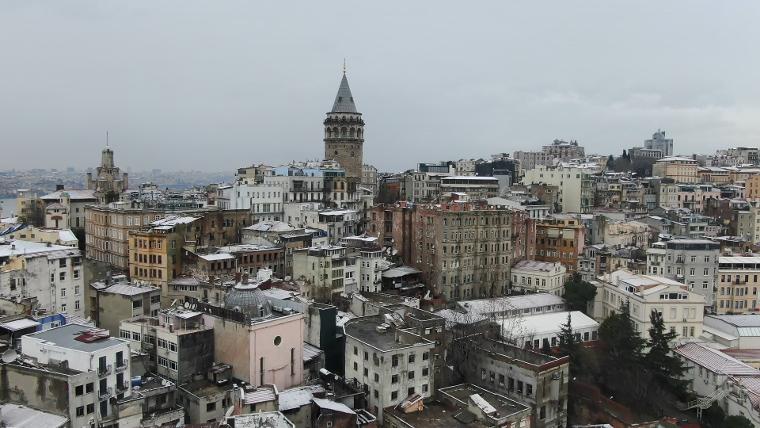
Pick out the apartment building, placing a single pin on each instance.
(730, 383)
(117, 298)
(392, 362)
(537, 380)
(539, 277)
(87, 350)
(691, 196)
(682, 310)
(737, 285)
(693, 262)
(463, 250)
(680, 170)
(108, 227)
(177, 341)
(155, 254)
(328, 269)
(53, 275)
(574, 183)
(560, 238)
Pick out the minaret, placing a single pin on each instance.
(344, 132)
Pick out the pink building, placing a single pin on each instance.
(261, 338)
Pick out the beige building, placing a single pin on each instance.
(539, 277)
(693, 197)
(682, 310)
(327, 269)
(108, 227)
(575, 186)
(681, 170)
(737, 285)
(155, 254)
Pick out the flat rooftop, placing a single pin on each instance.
(504, 406)
(65, 336)
(364, 329)
(17, 416)
(513, 352)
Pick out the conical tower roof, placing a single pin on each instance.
(344, 101)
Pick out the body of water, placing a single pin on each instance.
(7, 207)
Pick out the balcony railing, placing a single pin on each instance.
(104, 394)
(104, 370)
(121, 366)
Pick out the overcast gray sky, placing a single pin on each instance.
(217, 85)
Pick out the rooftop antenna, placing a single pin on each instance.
(344, 66)
(107, 139)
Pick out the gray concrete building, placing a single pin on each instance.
(387, 356)
(538, 380)
(659, 142)
(693, 262)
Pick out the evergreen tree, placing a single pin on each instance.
(666, 369)
(736, 421)
(610, 162)
(578, 293)
(568, 345)
(622, 365)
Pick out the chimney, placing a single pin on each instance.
(108, 278)
(58, 187)
(245, 278)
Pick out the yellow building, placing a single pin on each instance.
(155, 254)
(681, 170)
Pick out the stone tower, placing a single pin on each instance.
(344, 132)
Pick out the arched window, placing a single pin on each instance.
(335, 132)
(351, 133)
(328, 133)
(343, 131)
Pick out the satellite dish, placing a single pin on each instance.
(9, 356)
(187, 305)
(193, 306)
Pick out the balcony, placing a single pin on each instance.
(123, 387)
(105, 394)
(104, 370)
(121, 366)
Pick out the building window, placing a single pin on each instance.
(80, 411)
(425, 372)
(394, 395)
(88, 388)
(394, 378)
(210, 407)
(411, 374)
(79, 390)
(91, 408)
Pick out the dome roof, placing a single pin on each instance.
(248, 299)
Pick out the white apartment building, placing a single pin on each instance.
(390, 360)
(719, 378)
(86, 350)
(576, 188)
(682, 310)
(539, 277)
(53, 274)
(264, 201)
